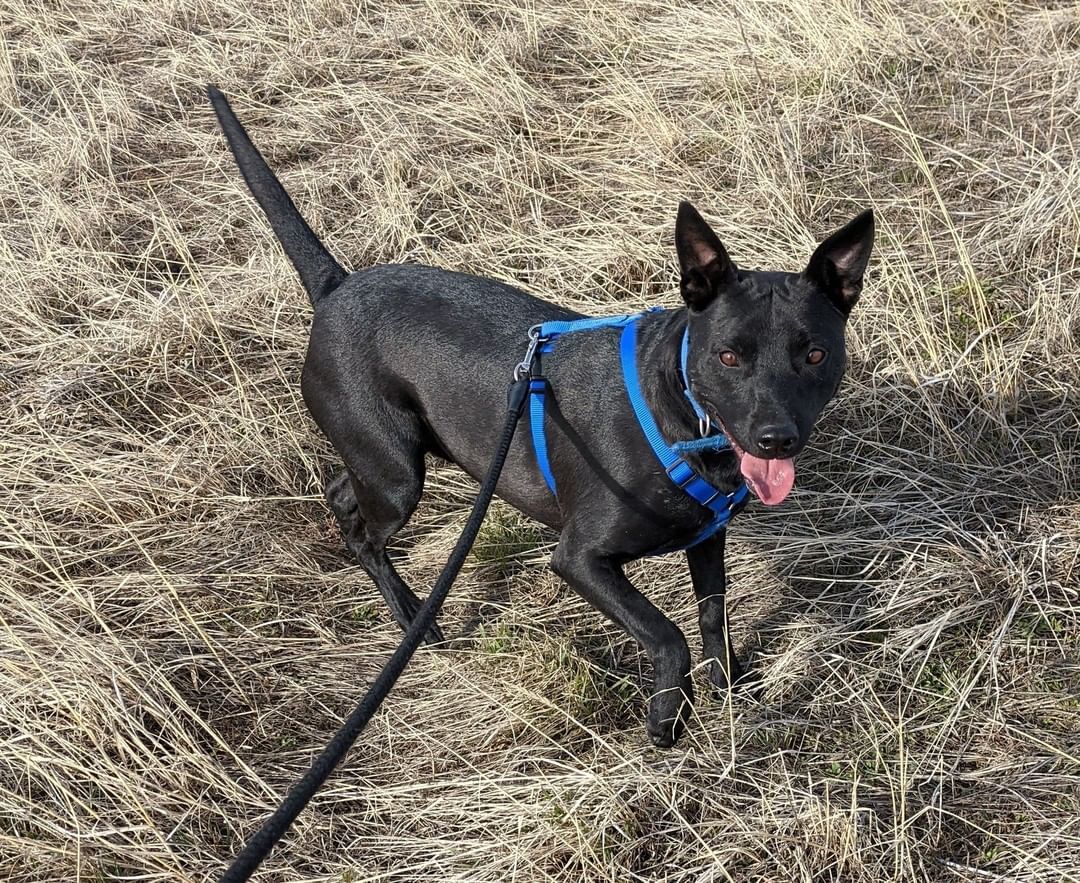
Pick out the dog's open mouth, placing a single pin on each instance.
(770, 480)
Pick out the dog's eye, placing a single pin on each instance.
(729, 359)
(815, 357)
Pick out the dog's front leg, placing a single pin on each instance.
(706, 562)
(601, 582)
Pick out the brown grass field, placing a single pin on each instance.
(180, 627)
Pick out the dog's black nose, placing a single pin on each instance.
(776, 441)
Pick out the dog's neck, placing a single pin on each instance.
(661, 336)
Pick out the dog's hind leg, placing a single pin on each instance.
(342, 499)
(370, 513)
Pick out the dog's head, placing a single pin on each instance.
(767, 349)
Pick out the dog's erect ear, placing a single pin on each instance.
(706, 267)
(840, 261)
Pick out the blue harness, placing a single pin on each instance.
(723, 506)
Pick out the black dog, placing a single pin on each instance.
(409, 360)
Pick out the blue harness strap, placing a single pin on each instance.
(538, 386)
(551, 330)
(680, 472)
(684, 356)
(548, 332)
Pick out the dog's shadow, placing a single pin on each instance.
(902, 503)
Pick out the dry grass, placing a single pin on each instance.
(179, 625)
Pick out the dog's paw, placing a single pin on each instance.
(434, 635)
(406, 613)
(669, 710)
(742, 682)
(750, 685)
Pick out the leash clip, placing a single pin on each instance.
(524, 367)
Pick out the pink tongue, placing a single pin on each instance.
(770, 480)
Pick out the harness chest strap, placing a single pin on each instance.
(678, 470)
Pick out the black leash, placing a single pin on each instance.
(260, 844)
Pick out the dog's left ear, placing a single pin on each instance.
(840, 261)
(706, 267)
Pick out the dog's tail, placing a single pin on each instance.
(318, 270)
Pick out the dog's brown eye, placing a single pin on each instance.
(815, 357)
(729, 358)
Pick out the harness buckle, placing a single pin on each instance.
(687, 474)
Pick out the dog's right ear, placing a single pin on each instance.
(706, 267)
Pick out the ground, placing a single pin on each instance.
(180, 627)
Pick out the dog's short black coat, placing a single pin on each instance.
(408, 360)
